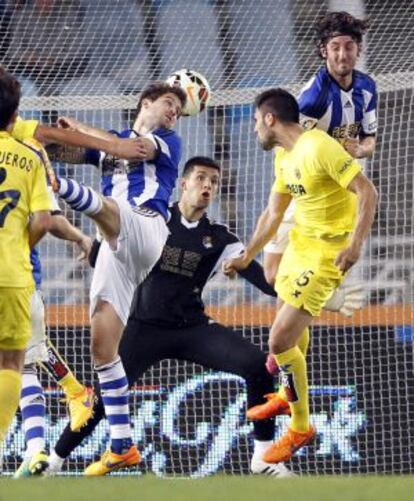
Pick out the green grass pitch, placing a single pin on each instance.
(217, 488)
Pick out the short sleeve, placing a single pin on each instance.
(24, 129)
(168, 146)
(337, 162)
(369, 120)
(39, 197)
(279, 184)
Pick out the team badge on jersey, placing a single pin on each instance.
(207, 242)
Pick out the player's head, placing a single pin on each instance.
(200, 181)
(275, 109)
(339, 41)
(9, 98)
(160, 105)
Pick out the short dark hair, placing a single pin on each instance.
(201, 161)
(9, 98)
(280, 103)
(157, 89)
(339, 23)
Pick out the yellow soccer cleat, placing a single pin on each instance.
(34, 466)
(112, 462)
(81, 408)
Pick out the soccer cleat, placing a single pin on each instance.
(34, 466)
(287, 445)
(275, 406)
(259, 467)
(112, 462)
(81, 408)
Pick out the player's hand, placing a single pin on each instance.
(346, 299)
(130, 149)
(84, 245)
(352, 146)
(347, 258)
(69, 123)
(231, 266)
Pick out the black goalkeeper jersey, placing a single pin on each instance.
(171, 294)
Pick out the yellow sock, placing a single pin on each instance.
(71, 386)
(303, 345)
(10, 388)
(292, 364)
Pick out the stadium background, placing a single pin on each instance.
(90, 60)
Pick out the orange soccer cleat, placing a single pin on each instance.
(288, 444)
(113, 462)
(275, 406)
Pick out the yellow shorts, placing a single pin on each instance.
(307, 274)
(15, 317)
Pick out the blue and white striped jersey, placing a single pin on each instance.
(341, 113)
(149, 182)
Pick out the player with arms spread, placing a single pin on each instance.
(341, 101)
(132, 217)
(23, 195)
(168, 319)
(334, 210)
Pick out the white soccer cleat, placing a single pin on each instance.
(279, 470)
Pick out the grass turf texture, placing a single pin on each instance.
(217, 488)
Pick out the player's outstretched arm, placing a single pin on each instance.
(267, 225)
(254, 274)
(61, 228)
(148, 149)
(121, 148)
(39, 225)
(367, 201)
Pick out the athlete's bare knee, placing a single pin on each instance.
(279, 339)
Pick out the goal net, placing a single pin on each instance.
(90, 60)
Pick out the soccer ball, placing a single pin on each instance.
(195, 86)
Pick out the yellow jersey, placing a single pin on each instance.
(23, 190)
(316, 172)
(24, 129)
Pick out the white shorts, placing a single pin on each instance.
(119, 271)
(280, 241)
(36, 350)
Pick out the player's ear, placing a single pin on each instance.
(183, 183)
(359, 49)
(322, 50)
(269, 119)
(145, 103)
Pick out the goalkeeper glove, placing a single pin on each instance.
(346, 299)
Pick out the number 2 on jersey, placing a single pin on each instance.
(13, 195)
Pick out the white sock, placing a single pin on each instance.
(261, 446)
(55, 463)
